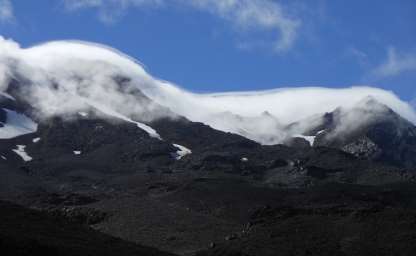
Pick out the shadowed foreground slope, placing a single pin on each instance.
(29, 232)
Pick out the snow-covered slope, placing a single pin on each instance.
(108, 111)
(16, 124)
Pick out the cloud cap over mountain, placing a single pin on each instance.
(67, 75)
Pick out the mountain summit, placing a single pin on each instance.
(89, 138)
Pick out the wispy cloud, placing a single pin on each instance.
(249, 15)
(395, 64)
(359, 55)
(6, 11)
(110, 11)
(243, 15)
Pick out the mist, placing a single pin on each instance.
(66, 77)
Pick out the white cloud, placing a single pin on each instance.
(6, 11)
(109, 11)
(395, 64)
(67, 75)
(254, 15)
(359, 55)
(243, 15)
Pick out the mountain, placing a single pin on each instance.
(94, 148)
(135, 179)
(379, 134)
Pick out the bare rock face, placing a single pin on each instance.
(3, 117)
(384, 136)
(364, 148)
(297, 142)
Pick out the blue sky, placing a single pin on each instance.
(228, 45)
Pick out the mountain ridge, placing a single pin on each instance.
(115, 150)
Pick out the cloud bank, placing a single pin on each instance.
(243, 15)
(66, 77)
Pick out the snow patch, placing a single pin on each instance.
(16, 125)
(183, 151)
(3, 157)
(36, 140)
(77, 152)
(22, 153)
(83, 114)
(244, 159)
(310, 139)
(152, 132)
(6, 95)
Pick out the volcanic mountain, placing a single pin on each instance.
(90, 139)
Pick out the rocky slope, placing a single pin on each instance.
(30, 232)
(184, 187)
(378, 134)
